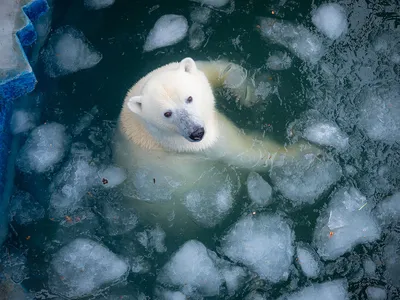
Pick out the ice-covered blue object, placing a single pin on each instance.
(16, 75)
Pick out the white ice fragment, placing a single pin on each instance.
(369, 267)
(259, 190)
(279, 61)
(376, 293)
(68, 51)
(214, 3)
(191, 270)
(304, 180)
(326, 134)
(24, 209)
(330, 19)
(153, 239)
(168, 30)
(263, 243)
(296, 38)
(196, 36)
(22, 121)
(44, 148)
(329, 290)
(85, 121)
(388, 210)
(309, 261)
(98, 4)
(112, 176)
(200, 15)
(347, 222)
(83, 267)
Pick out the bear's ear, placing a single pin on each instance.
(135, 104)
(188, 65)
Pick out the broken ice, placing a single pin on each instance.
(22, 121)
(330, 19)
(279, 61)
(296, 38)
(112, 176)
(24, 209)
(263, 243)
(196, 36)
(98, 4)
(191, 270)
(153, 239)
(330, 290)
(200, 15)
(304, 180)
(120, 220)
(388, 210)
(308, 260)
(168, 30)
(259, 190)
(68, 51)
(44, 148)
(83, 267)
(375, 293)
(215, 3)
(347, 222)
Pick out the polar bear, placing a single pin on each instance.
(173, 141)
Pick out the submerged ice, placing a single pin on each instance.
(259, 190)
(330, 19)
(168, 30)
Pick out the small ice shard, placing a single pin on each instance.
(191, 270)
(308, 260)
(98, 4)
(329, 290)
(279, 61)
(200, 15)
(22, 121)
(388, 210)
(168, 30)
(68, 51)
(153, 239)
(214, 3)
(44, 148)
(196, 36)
(330, 19)
(263, 243)
(347, 222)
(112, 176)
(369, 267)
(259, 190)
(376, 293)
(83, 267)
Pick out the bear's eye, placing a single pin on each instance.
(189, 100)
(167, 114)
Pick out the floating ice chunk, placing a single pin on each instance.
(209, 207)
(120, 220)
(200, 15)
(331, 290)
(83, 267)
(71, 185)
(331, 20)
(168, 30)
(24, 209)
(347, 222)
(44, 148)
(326, 134)
(375, 293)
(388, 210)
(279, 61)
(234, 278)
(255, 296)
(215, 3)
(369, 267)
(263, 90)
(391, 257)
(112, 176)
(68, 51)
(263, 243)
(309, 261)
(304, 180)
(259, 190)
(170, 295)
(296, 38)
(196, 36)
(380, 113)
(192, 271)
(153, 239)
(98, 4)
(22, 121)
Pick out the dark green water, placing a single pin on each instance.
(119, 32)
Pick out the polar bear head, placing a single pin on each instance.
(177, 104)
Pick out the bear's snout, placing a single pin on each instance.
(197, 135)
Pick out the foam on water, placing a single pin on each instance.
(308, 260)
(331, 20)
(44, 148)
(191, 270)
(168, 30)
(376, 293)
(346, 222)
(83, 267)
(263, 243)
(69, 51)
(24, 209)
(306, 179)
(296, 38)
(259, 190)
(98, 4)
(330, 290)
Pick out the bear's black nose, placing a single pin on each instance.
(197, 135)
